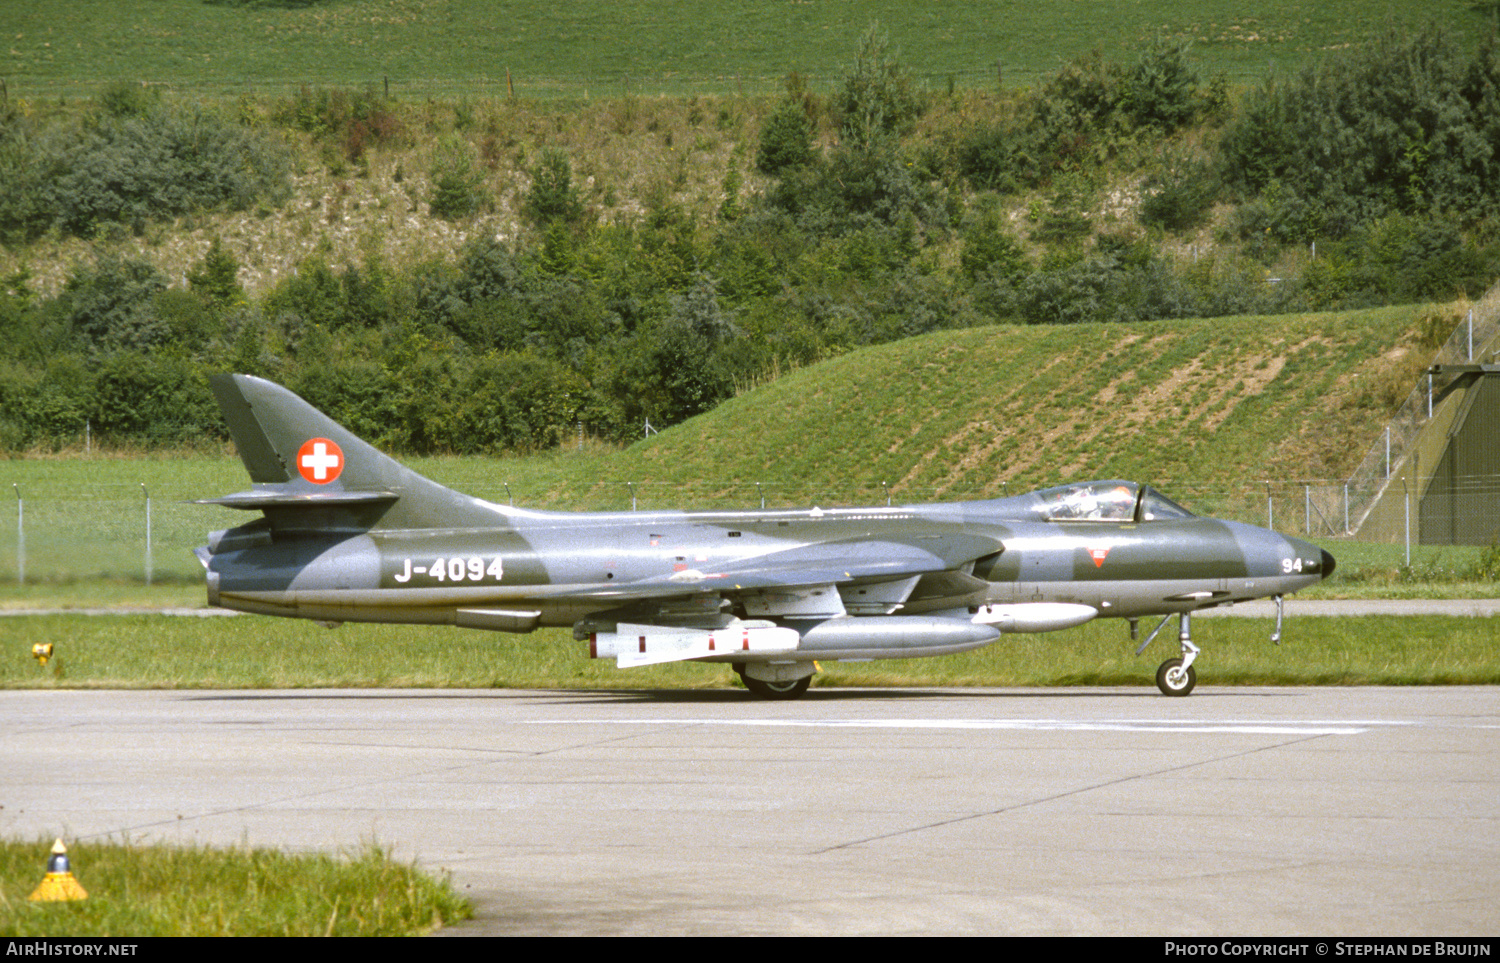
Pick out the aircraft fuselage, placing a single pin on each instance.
(349, 535)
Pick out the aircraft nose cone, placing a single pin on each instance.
(1328, 565)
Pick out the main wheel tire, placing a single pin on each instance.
(777, 690)
(1173, 680)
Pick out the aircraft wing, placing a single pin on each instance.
(823, 563)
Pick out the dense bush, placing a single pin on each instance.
(1180, 197)
(1090, 110)
(1160, 90)
(159, 399)
(111, 306)
(128, 165)
(1398, 259)
(786, 140)
(44, 406)
(1409, 125)
(996, 157)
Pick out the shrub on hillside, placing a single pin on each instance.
(997, 157)
(110, 306)
(552, 198)
(1407, 125)
(1180, 197)
(46, 406)
(134, 168)
(989, 245)
(687, 348)
(1398, 259)
(858, 188)
(786, 141)
(458, 188)
(876, 98)
(156, 398)
(1160, 90)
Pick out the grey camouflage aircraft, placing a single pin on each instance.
(349, 535)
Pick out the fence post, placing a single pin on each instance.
(1270, 522)
(146, 493)
(20, 536)
(1406, 501)
(1307, 509)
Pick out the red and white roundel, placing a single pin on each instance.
(319, 460)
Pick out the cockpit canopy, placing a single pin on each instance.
(1107, 501)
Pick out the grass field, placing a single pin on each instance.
(468, 47)
(245, 652)
(140, 890)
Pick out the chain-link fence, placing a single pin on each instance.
(136, 533)
(501, 86)
(1350, 502)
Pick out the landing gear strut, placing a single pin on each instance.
(1176, 677)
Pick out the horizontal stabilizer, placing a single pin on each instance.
(258, 499)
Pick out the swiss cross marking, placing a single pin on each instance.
(320, 461)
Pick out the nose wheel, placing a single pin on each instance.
(1176, 677)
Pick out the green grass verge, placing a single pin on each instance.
(647, 46)
(152, 651)
(139, 890)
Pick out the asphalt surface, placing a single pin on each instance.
(1236, 811)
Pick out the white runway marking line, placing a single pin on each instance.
(1247, 727)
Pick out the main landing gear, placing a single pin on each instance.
(777, 681)
(1176, 677)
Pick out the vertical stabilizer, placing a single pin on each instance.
(301, 460)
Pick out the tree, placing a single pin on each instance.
(216, 279)
(552, 196)
(876, 99)
(786, 142)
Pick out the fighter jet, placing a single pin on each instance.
(347, 534)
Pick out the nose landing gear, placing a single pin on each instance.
(1176, 677)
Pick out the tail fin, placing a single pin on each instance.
(310, 471)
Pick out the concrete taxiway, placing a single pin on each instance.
(1237, 811)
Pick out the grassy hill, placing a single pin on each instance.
(648, 46)
(1203, 406)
